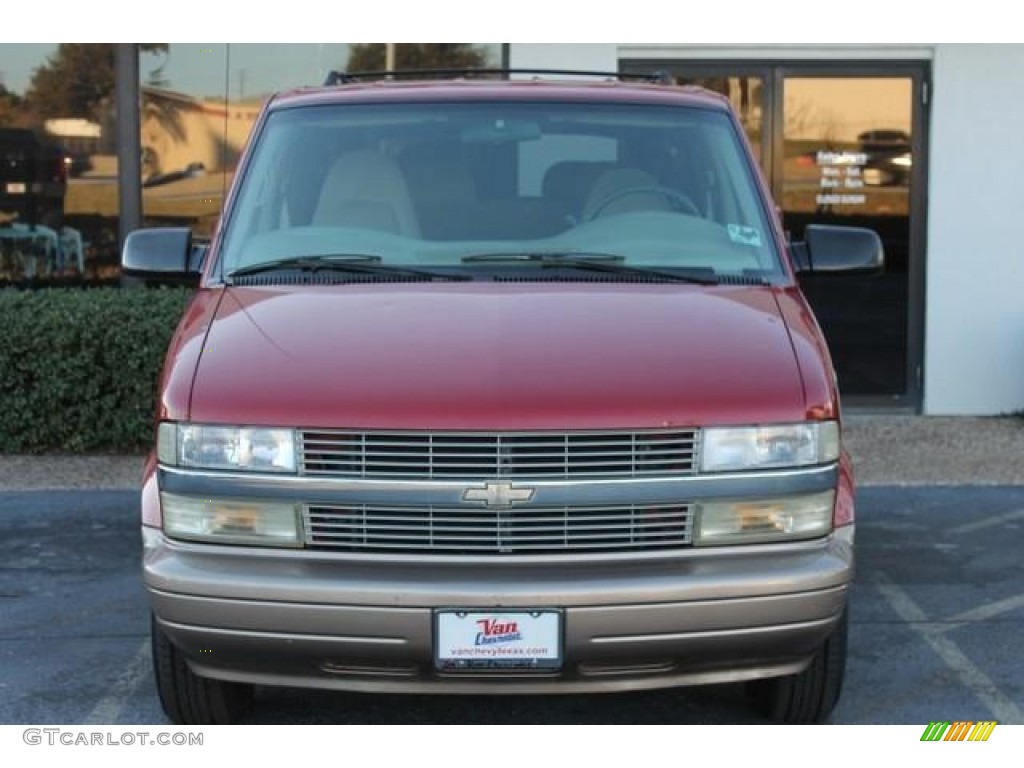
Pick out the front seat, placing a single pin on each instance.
(366, 189)
(622, 190)
(565, 187)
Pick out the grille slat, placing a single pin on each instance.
(553, 448)
(485, 528)
(328, 521)
(367, 528)
(524, 454)
(595, 474)
(493, 455)
(519, 464)
(536, 549)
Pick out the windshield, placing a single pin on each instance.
(469, 185)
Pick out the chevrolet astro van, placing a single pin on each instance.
(495, 387)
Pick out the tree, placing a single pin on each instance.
(365, 57)
(76, 80)
(73, 81)
(13, 113)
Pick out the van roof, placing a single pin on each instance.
(473, 90)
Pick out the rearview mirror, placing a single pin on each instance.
(167, 254)
(830, 250)
(501, 131)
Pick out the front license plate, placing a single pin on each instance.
(16, 188)
(498, 640)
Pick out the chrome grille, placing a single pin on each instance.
(526, 530)
(490, 455)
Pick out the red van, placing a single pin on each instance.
(498, 386)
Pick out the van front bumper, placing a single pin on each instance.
(321, 620)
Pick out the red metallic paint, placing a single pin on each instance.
(183, 355)
(491, 356)
(820, 390)
(470, 356)
(845, 496)
(151, 511)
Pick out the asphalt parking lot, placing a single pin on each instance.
(936, 624)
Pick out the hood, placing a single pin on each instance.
(498, 356)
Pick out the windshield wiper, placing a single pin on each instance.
(596, 262)
(341, 262)
(544, 257)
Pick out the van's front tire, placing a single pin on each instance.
(811, 695)
(188, 699)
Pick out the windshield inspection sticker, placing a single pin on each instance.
(744, 235)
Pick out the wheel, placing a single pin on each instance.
(681, 201)
(811, 695)
(187, 698)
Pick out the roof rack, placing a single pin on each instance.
(335, 77)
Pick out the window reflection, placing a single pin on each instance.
(200, 102)
(58, 163)
(367, 57)
(183, 138)
(847, 160)
(847, 146)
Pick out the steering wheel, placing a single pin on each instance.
(680, 202)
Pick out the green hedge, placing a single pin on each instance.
(79, 368)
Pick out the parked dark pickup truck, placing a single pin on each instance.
(33, 178)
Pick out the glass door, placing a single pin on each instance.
(843, 143)
(847, 158)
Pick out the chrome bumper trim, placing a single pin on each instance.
(547, 493)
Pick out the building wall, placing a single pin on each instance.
(974, 303)
(602, 57)
(974, 314)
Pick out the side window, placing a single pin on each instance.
(536, 158)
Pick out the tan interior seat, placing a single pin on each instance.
(566, 184)
(366, 189)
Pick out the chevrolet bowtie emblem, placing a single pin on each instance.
(498, 495)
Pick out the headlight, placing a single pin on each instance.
(241, 448)
(728, 449)
(751, 522)
(229, 521)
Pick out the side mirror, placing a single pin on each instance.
(831, 250)
(165, 254)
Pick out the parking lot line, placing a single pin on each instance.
(983, 612)
(108, 709)
(976, 681)
(988, 522)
